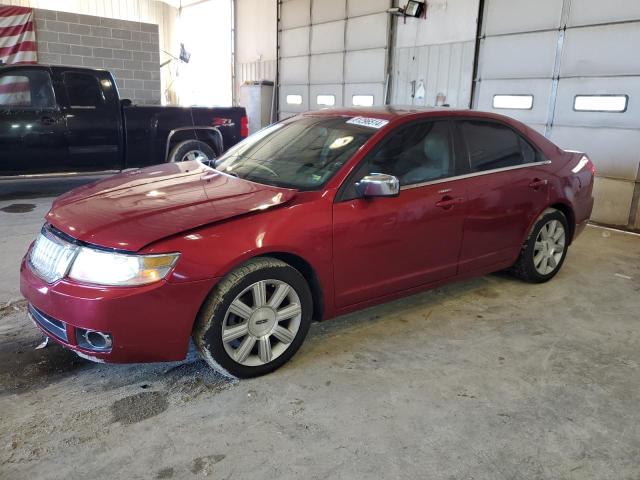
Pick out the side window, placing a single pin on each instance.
(491, 145)
(529, 153)
(415, 154)
(83, 90)
(26, 89)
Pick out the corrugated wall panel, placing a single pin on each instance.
(433, 57)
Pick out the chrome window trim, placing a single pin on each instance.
(474, 174)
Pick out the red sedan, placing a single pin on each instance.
(310, 218)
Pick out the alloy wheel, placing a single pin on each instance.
(193, 155)
(261, 322)
(549, 247)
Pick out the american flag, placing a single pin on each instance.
(17, 45)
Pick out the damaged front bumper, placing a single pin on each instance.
(151, 323)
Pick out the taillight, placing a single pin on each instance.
(584, 162)
(244, 126)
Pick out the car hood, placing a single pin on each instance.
(135, 208)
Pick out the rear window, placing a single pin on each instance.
(491, 146)
(83, 90)
(303, 154)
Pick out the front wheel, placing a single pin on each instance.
(545, 249)
(191, 150)
(255, 319)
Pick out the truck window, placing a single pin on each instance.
(83, 90)
(26, 90)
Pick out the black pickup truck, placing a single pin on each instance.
(56, 120)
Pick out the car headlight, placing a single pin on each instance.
(119, 269)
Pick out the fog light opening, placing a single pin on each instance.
(98, 340)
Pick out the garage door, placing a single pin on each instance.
(332, 53)
(570, 70)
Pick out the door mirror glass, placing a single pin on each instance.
(378, 185)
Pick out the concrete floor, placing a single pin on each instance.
(486, 379)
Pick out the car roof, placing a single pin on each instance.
(394, 112)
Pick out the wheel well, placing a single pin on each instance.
(571, 219)
(210, 137)
(309, 275)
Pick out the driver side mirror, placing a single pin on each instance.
(378, 185)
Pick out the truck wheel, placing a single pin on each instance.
(191, 150)
(255, 319)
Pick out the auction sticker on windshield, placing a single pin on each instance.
(368, 122)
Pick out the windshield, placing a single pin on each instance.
(302, 154)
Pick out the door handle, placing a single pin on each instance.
(47, 120)
(537, 183)
(448, 202)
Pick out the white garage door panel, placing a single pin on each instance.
(374, 89)
(286, 90)
(365, 66)
(590, 12)
(295, 13)
(568, 88)
(540, 89)
(315, 90)
(365, 7)
(316, 45)
(613, 201)
(449, 22)
(602, 50)
(367, 32)
(519, 56)
(328, 10)
(510, 16)
(327, 37)
(327, 68)
(614, 151)
(294, 70)
(295, 42)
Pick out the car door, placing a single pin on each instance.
(389, 244)
(507, 188)
(31, 126)
(94, 132)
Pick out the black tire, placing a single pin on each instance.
(207, 334)
(525, 267)
(182, 149)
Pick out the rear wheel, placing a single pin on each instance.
(545, 249)
(255, 319)
(191, 150)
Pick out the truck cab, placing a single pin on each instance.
(58, 120)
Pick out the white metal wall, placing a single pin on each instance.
(433, 57)
(331, 48)
(555, 50)
(255, 41)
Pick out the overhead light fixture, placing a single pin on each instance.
(414, 9)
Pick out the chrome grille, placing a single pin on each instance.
(51, 256)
